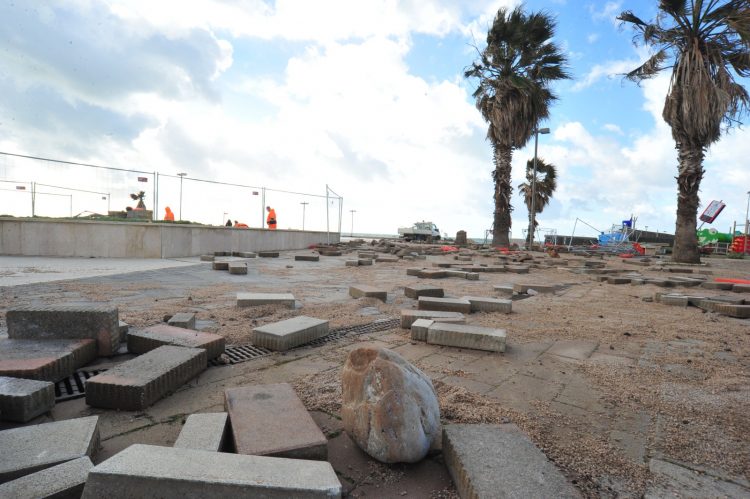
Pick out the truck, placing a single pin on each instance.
(420, 231)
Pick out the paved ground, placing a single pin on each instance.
(627, 397)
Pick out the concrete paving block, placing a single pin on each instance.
(64, 481)
(462, 336)
(486, 304)
(306, 258)
(432, 274)
(124, 326)
(247, 254)
(370, 255)
(539, 288)
(364, 261)
(169, 473)
(47, 360)
(268, 254)
(184, 320)
(741, 288)
(517, 269)
(283, 335)
(493, 461)
(442, 265)
(330, 252)
(352, 263)
(29, 449)
(723, 286)
(270, 420)
(503, 289)
(417, 290)
(204, 431)
(22, 400)
(207, 258)
(414, 271)
(419, 329)
(444, 304)
(222, 265)
(673, 480)
(97, 322)
(387, 259)
(471, 276)
(253, 299)
(153, 337)
(409, 316)
(739, 311)
(618, 280)
(222, 253)
(140, 382)
(365, 291)
(238, 268)
(674, 300)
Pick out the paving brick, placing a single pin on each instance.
(539, 288)
(253, 299)
(387, 259)
(138, 383)
(517, 269)
(462, 336)
(364, 261)
(123, 328)
(247, 254)
(674, 300)
(144, 340)
(330, 252)
(442, 265)
(97, 322)
(432, 274)
(207, 258)
(184, 320)
(352, 263)
(409, 316)
(365, 291)
(222, 265)
(289, 333)
(741, 288)
(306, 258)
(222, 253)
(740, 311)
(371, 255)
(417, 290)
(444, 304)
(29, 449)
(169, 473)
(487, 461)
(47, 360)
(486, 304)
(414, 271)
(270, 420)
(22, 400)
(618, 280)
(471, 276)
(204, 431)
(419, 329)
(724, 286)
(64, 481)
(503, 289)
(238, 268)
(268, 254)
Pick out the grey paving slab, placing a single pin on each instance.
(253, 299)
(677, 481)
(289, 333)
(416, 290)
(238, 268)
(500, 461)
(487, 304)
(364, 261)
(723, 286)
(739, 311)
(409, 316)
(144, 340)
(247, 254)
(674, 300)
(64, 481)
(138, 383)
(97, 322)
(444, 304)
(184, 320)
(387, 259)
(352, 263)
(169, 473)
(573, 349)
(503, 289)
(270, 420)
(463, 336)
(29, 449)
(366, 291)
(431, 274)
(124, 326)
(22, 400)
(207, 258)
(220, 265)
(268, 254)
(419, 329)
(414, 271)
(517, 269)
(741, 288)
(48, 360)
(306, 258)
(204, 431)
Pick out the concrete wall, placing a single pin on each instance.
(142, 240)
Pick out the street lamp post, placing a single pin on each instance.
(543, 131)
(747, 213)
(351, 233)
(304, 205)
(181, 175)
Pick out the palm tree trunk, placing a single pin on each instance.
(503, 189)
(688, 184)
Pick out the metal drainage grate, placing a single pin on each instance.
(241, 353)
(74, 386)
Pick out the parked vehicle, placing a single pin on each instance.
(420, 231)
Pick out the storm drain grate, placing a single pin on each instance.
(74, 386)
(242, 353)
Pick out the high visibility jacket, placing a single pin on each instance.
(169, 216)
(271, 219)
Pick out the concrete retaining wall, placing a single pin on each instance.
(142, 240)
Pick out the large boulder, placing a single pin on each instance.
(390, 408)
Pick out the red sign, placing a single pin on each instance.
(21, 187)
(712, 211)
(255, 193)
(142, 179)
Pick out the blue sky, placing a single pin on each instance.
(366, 96)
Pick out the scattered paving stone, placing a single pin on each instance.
(270, 420)
(471, 276)
(281, 336)
(364, 261)
(442, 265)
(205, 431)
(207, 258)
(387, 259)
(352, 263)
(741, 288)
(517, 269)
(486, 304)
(409, 316)
(29, 449)
(222, 253)
(153, 337)
(63, 481)
(47, 360)
(365, 291)
(618, 280)
(724, 286)
(504, 289)
(269, 254)
(417, 290)
(740, 311)
(222, 265)
(484, 460)
(367, 254)
(97, 322)
(462, 336)
(253, 299)
(247, 254)
(124, 326)
(432, 274)
(677, 481)
(238, 268)
(169, 473)
(138, 383)
(306, 258)
(325, 252)
(22, 400)
(444, 304)
(414, 271)
(184, 320)
(419, 329)
(674, 300)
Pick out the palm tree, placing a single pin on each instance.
(514, 72)
(140, 196)
(544, 187)
(705, 43)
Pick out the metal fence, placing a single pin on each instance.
(44, 187)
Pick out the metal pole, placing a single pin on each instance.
(263, 208)
(156, 197)
(154, 215)
(33, 199)
(351, 233)
(71, 205)
(109, 199)
(747, 213)
(304, 205)
(328, 229)
(533, 192)
(181, 175)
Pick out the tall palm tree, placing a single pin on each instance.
(514, 73)
(544, 187)
(705, 43)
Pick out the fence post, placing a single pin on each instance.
(263, 208)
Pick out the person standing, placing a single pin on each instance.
(168, 214)
(271, 218)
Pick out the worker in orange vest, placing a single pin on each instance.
(271, 219)
(240, 225)
(168, 215)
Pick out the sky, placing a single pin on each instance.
(366, 97)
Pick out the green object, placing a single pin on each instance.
(711, 236)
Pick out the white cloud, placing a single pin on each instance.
(611, 127)
(607, 70)
(592, 38)
(608, 12)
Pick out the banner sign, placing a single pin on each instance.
(712, 211)
(142, 179)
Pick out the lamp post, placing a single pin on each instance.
(304, 205)
(543, 131)
(181, 175)
(747, 212)
(351, 233)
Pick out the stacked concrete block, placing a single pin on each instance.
(289, 333)
(169, 473)
(504, 289)
(204, 431)
(207, 258)
(153, 337)
(365, 291)
(364, 261)
(741, 288)
(306, 258)
(47, 360)
(246, 254)
(444, 304)
(29, 449)
(138, 383)
(618, 280)
(414, 271)
(268, 254)
(432, 274)
(732, 310)
(470, 276)
(419, 329)
(417, 290)
(723, 286)
(370, 255)
(485, 304)
(330, 252)
(63, 481)
(97, 322)
(221, 265)
(124, 326)
(184, 320)
(270, 420)
(222, 253)
(674, 300)
(254, 299)
(409, 316)
(462, 336)
(22, 400)
(352, 263)
(387, 259)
